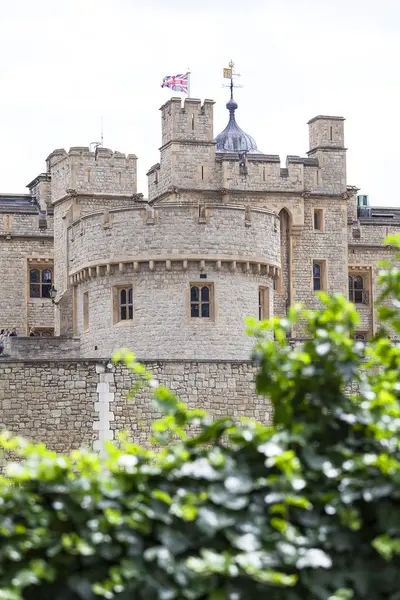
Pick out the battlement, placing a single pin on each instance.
(101, 171)
(191, 121)
(91, 157)
(174, 232)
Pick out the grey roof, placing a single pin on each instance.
(10, 203)
(232, 138)
(20, 203)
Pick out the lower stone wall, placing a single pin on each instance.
(51, 402)
(221, 388)
(82, 403)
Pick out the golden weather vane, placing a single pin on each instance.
(229, 73)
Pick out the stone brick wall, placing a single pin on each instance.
(49, 401)
(161, 325)
(40, 313)
(25, 225)
(373, 232)
(176, 232)
(365, 252)
(21, 239)
(329, 247)
(221, 388)
(26, 348)
(81, 403)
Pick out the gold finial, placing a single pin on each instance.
(229, 73)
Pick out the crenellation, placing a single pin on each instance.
(326, 132)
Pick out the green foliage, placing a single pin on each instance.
(306, 509)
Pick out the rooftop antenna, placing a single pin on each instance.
(229, 73)
(95, 145)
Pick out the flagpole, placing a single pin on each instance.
(188, 86)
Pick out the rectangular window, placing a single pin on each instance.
(126, 304)
(201, 300)
(318, 219)
(40, 281)
(85, 311)
(263, 303)
(123, 304)
(319, 275)
(357, 289)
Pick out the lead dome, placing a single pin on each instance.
(233, 138)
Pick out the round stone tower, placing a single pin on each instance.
(175, 281)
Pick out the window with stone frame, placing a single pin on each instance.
(357, 289)
(40, 282)
(318, 219)
(201, 301)
(263, 303)
(319, 275)
(122, 297)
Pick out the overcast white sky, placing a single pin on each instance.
(64, 63)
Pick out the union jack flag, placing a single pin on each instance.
(177, 83)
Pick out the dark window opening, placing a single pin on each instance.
(126, 304)
(200, 301)
(356, 290)
(40, 283)
(317, 279)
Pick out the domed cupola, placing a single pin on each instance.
(232, 138)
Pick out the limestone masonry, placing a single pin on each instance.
(225, 232)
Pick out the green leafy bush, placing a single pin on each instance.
(306, 509)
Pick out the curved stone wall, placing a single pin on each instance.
(173, 231)
(162, 325)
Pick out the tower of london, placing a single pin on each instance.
(91, 265)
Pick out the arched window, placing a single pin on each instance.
(200, 301)
(356, 289)
(40, 282)
(360, 337)
(317, 276)
(126, 304)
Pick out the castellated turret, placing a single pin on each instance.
(82, 182)
(326, 136)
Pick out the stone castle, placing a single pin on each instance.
(225, 233)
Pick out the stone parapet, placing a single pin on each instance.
(41, 348)
(175, 232)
